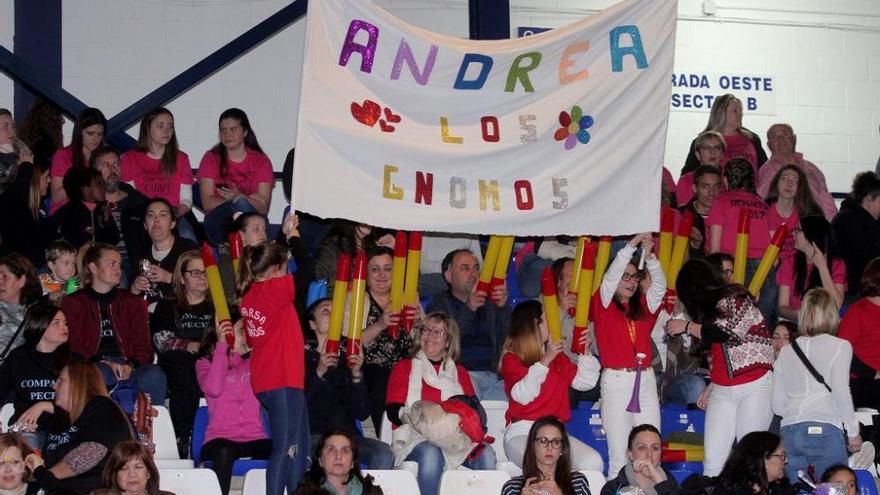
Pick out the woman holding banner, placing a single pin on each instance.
(623, 317)
(726, 317)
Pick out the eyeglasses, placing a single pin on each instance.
(783, 456)
(195, 273)
(16, 465)
(437, 331)
(714, 147)
(553, 443)
(626, 277)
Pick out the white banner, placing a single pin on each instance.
(558, 133)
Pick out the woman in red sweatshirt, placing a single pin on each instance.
(536, 376)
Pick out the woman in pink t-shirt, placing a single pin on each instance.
(723, 223)
(88, 134)
(789, 199)
(726, 118)
(158, 169)
(814, 265)
(235, 176)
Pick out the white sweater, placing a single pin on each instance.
(798, 397)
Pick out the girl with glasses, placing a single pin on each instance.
(623, 318)
(177, 326)
(755, 467)
(643, 467)
(14, 473)
(547, 463)
(537, 375)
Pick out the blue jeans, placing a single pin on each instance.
(809, 442)
(684, 389)
(431, 463)
(149, 379)
(216, 219)
(488, 386)
(289, 422)
(373, 453)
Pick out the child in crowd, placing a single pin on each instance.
(277, 367)
(61, 278)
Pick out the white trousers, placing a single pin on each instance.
(617, 388)
(583, 457)
(731, 413)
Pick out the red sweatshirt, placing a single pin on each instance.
(552, 400)
(274, 332)
(861, 327)
(398, 384)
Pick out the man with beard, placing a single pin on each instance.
(126, 205)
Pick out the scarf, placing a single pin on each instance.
(353, 487)
(633, 480)
(445, 379)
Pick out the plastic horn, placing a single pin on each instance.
(337, 307)
(634, 406)
(499, 276)
(585, 291)
(767, 260)
(551, 304)
(575, 281)
(70, 286)
(679, 248)
(742, 247)
(489, 261)
(235, 249)
(398, 274)
(603, 256)
(411, 283)
(667, 227)
(356, 310)
(215, 287)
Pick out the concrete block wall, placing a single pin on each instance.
(824, 57)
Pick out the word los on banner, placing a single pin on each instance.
(518, 73)
(489, 193)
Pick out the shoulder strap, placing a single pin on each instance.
(812, 369)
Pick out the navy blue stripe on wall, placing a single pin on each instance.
(489, 19)
(37, 42)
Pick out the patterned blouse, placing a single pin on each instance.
(385, 351)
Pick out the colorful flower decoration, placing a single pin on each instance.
(574, 127)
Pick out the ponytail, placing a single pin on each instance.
(255, 262)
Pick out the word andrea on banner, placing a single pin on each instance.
(519, 69)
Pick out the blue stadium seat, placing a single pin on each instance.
(586, 425)
(240, 467)
(680, 475)
(867, 486)
(677, 418)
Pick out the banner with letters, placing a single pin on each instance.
(561, 132)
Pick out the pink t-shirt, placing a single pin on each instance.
(725, 212)
(246, 175)
(62, 160)
(148, 178)
(739, 146)
(774, 220)
(785, 276)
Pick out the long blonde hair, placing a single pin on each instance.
(718, 115)
(524, 338)
(86, 383)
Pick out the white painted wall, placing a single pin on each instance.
(828, 78)
(7, 30)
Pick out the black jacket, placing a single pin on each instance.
(334, 400)
(20, 231)
(75, 220)
(668, 487)
(132, 221)
(857, 237)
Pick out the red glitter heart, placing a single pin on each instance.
(367, 114)
(385, 127)
(391, 117)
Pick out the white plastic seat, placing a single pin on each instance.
(472, 482)
(163, 435)
(174, 463)
(595, 479)
(393, 482)
(255, 482)
(5, 413)
(201, 481)
(509, 468)
(496, 424)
